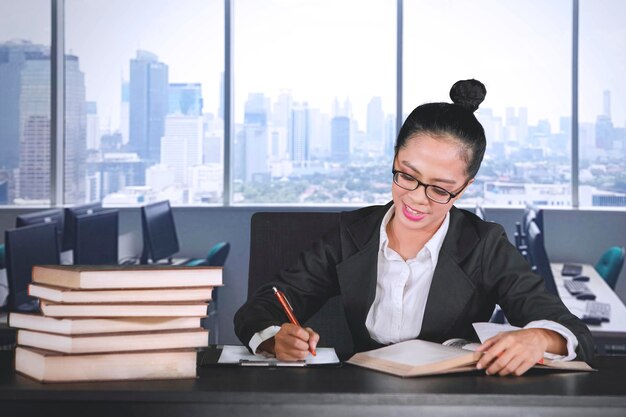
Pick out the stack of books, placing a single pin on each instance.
(114, 322)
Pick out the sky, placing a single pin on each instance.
(324, 49)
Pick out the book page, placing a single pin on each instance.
(239, 354)
(416, 352)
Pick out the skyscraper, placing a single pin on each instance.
(148, 105)
(181, 148)
(256, 137)
(185, 99)
(299, 133)
(340, 138)
(14, 56)
(376, 123)
(25, 123)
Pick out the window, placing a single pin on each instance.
(25, 102)
(521, 51)
(314, 101)
(602, 108)
(143, 109)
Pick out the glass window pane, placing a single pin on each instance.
(602, 103)
(314, 101)
(521, 51)
(25, 102)
(143, 112)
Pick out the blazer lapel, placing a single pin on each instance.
(451, 288)
(357, 274)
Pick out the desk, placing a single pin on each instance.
(611, 336)
(348, 390)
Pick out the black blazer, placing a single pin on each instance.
(477, 268)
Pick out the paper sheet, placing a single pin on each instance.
(240, 354)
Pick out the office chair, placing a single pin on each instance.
(480, 212)
(610, 264)
(216, 257)
(276, 241)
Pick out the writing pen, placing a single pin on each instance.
(289, 311)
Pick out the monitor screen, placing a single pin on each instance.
(26, 247)
(159, 232)
(70, 221)
(539, 257)
(96, 238)
(44, 216)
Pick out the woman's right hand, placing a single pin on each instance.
(291, 343)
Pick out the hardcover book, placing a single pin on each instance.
(127, 276)
(124, 310)
(113, 342)
(67, 295)
(419, 357)
(73, 326)
(47, 366)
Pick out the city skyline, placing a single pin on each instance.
(116, 29)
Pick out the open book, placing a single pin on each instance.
(419, 357)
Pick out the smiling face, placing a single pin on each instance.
(431, 160)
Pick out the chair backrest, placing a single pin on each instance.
(217, 254)
(610, 264)
(276, 240)
(26, 247)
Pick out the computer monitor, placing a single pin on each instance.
(539, 257)
(532, 213)
(70, 222)
(159, 232)
(26, 247)
(54, 216)
(96, 238)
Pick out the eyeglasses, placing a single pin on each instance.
(433, 192)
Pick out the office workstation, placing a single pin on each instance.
(237, 133)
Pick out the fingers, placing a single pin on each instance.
(313, 339)
(507, 354)
(292, 343)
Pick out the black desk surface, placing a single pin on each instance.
(324, 391)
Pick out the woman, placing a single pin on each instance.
(419, 267)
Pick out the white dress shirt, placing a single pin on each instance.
(402, 289)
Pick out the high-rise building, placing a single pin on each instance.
(125, 112)
(181, 146)
(75, 132)
(299, 133)
(185, 99)
(256, 137)
(148, 105)
(376, 122)
(14, 56)
(93, 126)
(340, 138)
(27, 103)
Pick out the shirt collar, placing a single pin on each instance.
(433, 245)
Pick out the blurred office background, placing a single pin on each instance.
(228, 107)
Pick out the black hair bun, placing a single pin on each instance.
(468, 94)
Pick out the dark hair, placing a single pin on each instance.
(456, 120)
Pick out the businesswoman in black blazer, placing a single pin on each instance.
(418, 267)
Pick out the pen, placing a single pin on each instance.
(289, 311)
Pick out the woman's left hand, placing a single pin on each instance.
(515, 352)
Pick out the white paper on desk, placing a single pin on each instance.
(488, 330)
(236, 354)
